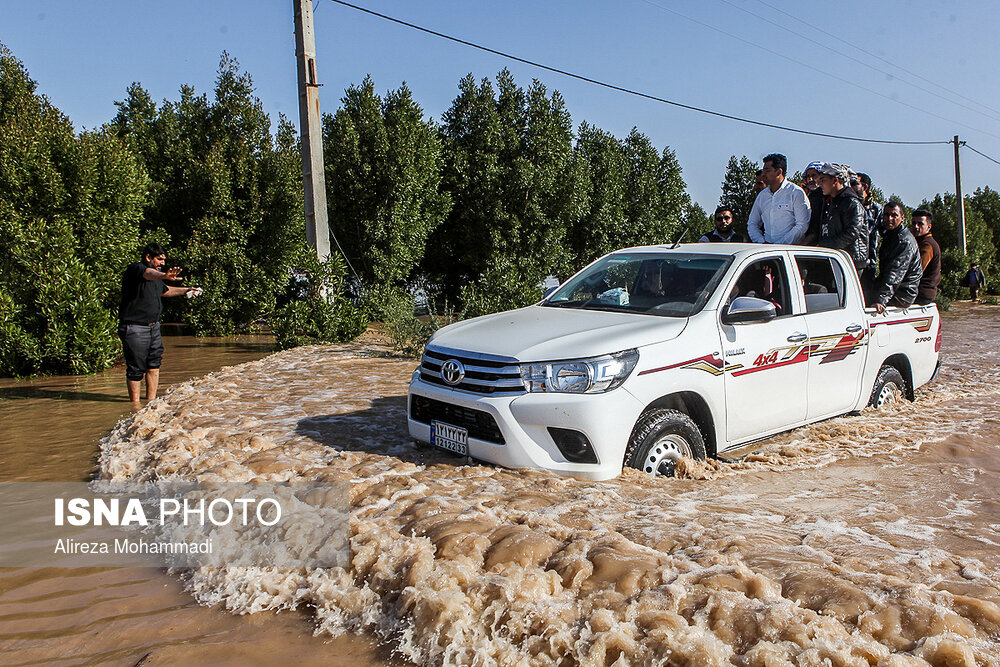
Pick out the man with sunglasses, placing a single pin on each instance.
(724, 231)
(930, 257)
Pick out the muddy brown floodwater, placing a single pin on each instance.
(49, 431)
(862, 540)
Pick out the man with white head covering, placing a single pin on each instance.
(843, 222)
(810, 183)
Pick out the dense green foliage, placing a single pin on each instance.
(476, 211)
(737, 190)
(69, 212)
(634, 196)
(318, 314)
(509, 173)
(383, 172)
(226, 196)
(981, 211)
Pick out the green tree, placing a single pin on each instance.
(737, 189)
(510, 174)
(986, 202)
(675, 203)
(383, 175)
(979, 241)
(697, 221)
(69, 211)
(226, 196)
(632, 194)
(603, 167)
(655, 193)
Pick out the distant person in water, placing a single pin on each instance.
(974, 279)
(143, 289)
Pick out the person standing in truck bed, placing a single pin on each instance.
(899, 262)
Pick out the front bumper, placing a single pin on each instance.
(523, 421)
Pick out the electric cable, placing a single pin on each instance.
(980, 152)
(634, 92)
(815, 69)
(732, 4)
(876, 56)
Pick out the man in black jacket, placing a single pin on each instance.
(843, 222)
(899, 261)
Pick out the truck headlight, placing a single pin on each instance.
(580, 376)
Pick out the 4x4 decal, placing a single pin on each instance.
(832, 348)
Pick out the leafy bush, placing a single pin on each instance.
(51, 314)
(501, 288)
(312, 308)
(226, 191)
(69, 211)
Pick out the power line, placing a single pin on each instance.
(980, 152)
(815, 69)
(861, 62)
(876, 56)
(627, 90)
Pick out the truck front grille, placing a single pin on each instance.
(484, 374)
(479, 424)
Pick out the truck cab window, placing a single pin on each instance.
(822, 283)
(766, 279)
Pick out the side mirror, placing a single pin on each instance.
(747, 309)
(549, 291)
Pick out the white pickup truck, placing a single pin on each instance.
(654, 353)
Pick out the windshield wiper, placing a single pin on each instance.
(565, 304)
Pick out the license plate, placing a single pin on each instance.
(451, 438)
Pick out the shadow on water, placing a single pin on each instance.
(379, 429)
(7, 393)
(232, 347)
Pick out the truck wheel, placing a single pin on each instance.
(659, 440)
(889, 386)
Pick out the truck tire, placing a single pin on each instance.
(660, 438)
(889, 386)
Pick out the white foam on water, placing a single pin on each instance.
(835, 544)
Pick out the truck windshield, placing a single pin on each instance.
(665, 284)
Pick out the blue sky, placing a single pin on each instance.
(740, 57)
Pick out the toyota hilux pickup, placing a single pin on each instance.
(655, 353)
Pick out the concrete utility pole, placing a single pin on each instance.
(958, 196)
(310, 128)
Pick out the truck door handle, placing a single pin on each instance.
(854, 328)
(797, 338)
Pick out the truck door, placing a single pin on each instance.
(765, 366)
(837, 336)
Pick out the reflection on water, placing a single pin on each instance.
(861, 540)
(50, 426)
(49, 431)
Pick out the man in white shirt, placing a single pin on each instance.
(780, 214)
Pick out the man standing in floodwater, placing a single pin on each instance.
(143, 290)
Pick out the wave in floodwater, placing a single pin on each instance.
(865, 540)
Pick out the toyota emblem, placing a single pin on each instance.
(452, 371)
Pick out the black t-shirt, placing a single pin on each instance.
(142, 300)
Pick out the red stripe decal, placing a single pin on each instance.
(708, 358)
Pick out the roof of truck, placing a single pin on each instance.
(732, 249)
